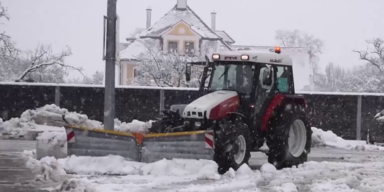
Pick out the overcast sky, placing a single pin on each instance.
(344, 25)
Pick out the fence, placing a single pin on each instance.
(348, 115)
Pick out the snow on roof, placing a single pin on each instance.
(175, 15)
(136, 48)
(210, 47)
(225, 36)
(264, 48)
(133, 50)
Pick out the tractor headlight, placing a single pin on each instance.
(215, 56)
(198, 124)
(245, 57)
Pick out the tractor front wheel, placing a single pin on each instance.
(290, 139)
(232, 148)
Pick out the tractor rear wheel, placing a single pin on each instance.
(290, 139)
(233, 147)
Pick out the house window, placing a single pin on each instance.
(189, 48)
(172, 46)
(136, 73)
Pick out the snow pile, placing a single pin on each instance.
(51, 144)
(286, 187)
(328, 176)
(53, 115)
(16, 128)
(379, 117)
(29, 154)
(330, 139)
(117, 165)
(47, 169)
(107, 165)
(54, 118)
(75, 185)
(135, 126)
(242, 179)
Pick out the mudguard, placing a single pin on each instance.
(277, 101)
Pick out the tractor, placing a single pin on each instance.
(246, 98)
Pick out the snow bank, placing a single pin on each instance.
(75, 185)
(16, 128)
(47, 169)
(53, 115)
(54, 118)
(329, 176)
(379, 117)
(242, 179)
(51, 169)
(51, 144)
(330, 139)
(134, 126)
(117, 165)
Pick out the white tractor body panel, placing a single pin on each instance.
(207, 103)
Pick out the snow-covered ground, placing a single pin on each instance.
(114, 173)
(330, 139)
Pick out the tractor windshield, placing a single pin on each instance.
(233, 76)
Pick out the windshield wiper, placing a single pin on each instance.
(225, 72)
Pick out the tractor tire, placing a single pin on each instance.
(290, 138)
(233, 149)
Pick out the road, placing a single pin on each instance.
(15, 176)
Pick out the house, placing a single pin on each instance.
(180, 29)
(183, 30)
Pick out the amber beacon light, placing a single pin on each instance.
(277, 50)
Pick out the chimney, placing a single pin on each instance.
(149, 13)
(181, 4)
(213, 21)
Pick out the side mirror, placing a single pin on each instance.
(267, 76)
(188, 72)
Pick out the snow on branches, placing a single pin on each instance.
(299, 39)
(157, 67)
(43, 59)
(39, 65)
(375, 55)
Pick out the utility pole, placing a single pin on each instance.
(110, 62)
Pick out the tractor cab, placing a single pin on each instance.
(255, 76)
(246, 99)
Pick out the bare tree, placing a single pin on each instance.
(167, 69)
(43, 59)
(39, 65)
(298, 39)
(96, 79)
(374, 54)
(8, 51)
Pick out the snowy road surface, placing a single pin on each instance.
(345, 170)
(12, 165)
(14, 175)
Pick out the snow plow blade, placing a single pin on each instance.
(182, 145)
(138, 147)
(95, 142)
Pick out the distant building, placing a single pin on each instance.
(181, 29)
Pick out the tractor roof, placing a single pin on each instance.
(254, 56)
